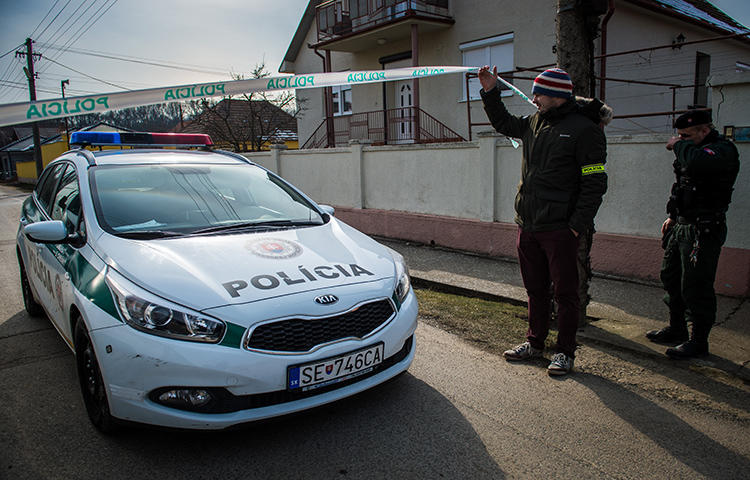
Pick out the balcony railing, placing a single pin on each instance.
(340, 18)
(402, 125)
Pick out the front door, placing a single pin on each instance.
(403, 118)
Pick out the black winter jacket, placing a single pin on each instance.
(705, 178)
(562, 174)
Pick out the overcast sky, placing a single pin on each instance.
(211, 38)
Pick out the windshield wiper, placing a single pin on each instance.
(149, 234)
(258, 225)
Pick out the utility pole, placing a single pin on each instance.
(31, 76)
(577, 27)
(62, 88)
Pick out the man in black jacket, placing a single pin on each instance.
(706, 166)
(561, 189)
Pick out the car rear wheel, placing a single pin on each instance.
(92, 384)
(30, 304)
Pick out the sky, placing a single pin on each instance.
(207, 40)
(214, 37)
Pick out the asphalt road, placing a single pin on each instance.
(458, 413)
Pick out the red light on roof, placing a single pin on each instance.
(181, 139)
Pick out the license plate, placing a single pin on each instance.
(335, 369)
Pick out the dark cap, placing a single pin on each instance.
(693, 117)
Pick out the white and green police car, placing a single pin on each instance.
(200, 290)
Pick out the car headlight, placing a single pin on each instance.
(403, 283)
(146, 312)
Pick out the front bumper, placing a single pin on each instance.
(247, 385)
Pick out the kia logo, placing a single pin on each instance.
(326, 299)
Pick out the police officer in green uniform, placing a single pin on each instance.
(706, 167)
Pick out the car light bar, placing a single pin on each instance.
(140, 139)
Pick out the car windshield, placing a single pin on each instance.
(155, 201)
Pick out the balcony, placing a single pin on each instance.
(355, 25)
(401, 126)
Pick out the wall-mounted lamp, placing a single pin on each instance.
(678, 41)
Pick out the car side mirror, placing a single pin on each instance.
(52, 231)
(328, 212)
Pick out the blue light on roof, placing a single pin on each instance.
(142, 139)
(95, 138)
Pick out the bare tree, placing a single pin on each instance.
(250, 121)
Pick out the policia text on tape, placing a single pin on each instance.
(15, 113)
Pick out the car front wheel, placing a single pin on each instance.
(92, 384)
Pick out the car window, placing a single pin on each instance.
(67, 201)
(46, 187)
(187, 198)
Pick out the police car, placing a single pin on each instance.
(200, 290)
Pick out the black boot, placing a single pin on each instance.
(668, 335)
(689, 349)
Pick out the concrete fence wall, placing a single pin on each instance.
(461, 195)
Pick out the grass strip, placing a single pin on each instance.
(491, 325)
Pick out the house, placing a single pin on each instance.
(18, 145)
(243, 125)
(21, 153)
(666, 70)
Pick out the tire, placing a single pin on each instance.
(33, 308)
(92, 384)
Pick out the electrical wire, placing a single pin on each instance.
(141, 60)
(84, 74)
(53, 20)
(54, 37)
(45, 18)
(77, 37)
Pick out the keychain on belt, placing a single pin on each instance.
(696, 248)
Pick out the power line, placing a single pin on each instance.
(140, 60)
(84, 74)
(11, 50)
(45, 18)
(53, 20)
(54, 36)
(75, 38)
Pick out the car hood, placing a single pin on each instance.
(209, 271)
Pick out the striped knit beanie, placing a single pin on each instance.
(554, 82)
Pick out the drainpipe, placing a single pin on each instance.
(603, 69)
(327, 97)
(415, 88)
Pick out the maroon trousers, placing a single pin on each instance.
(550, 257)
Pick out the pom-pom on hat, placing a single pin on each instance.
(693, 117)
(554, 82)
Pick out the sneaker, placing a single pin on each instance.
(668, 335)
(560, 365)
(689, 349)
(522, 352)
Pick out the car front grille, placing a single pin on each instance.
(302, 335)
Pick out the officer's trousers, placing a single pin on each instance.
(688, 275)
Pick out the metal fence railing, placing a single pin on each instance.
(393, 126)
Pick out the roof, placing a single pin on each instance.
(239, 112)
(96, 126)
(298, 40)
(701, 12)
(21, 145)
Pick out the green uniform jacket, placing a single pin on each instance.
(562, 175)
(705, 178)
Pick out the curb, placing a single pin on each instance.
(600, 338)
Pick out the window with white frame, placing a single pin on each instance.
(342, 100)
(491, 51)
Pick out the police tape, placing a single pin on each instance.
(23, 112)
